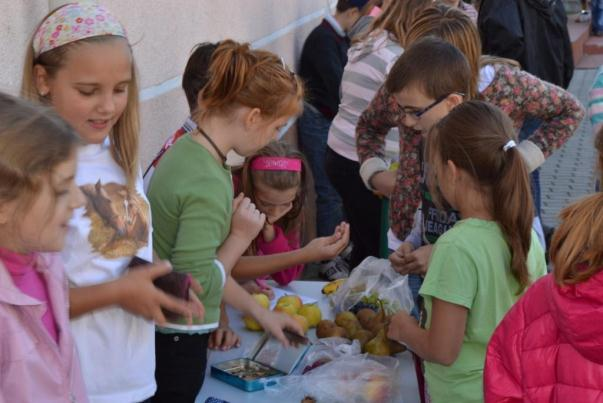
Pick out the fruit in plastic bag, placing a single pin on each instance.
(378, 345)
(365, 316)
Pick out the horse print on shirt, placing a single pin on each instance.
(119, 219)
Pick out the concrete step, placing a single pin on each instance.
(594, 45)
(579, 33)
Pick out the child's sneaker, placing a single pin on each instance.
(584, 16)
(335, 269)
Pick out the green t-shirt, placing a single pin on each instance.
(470, 266)
(191, 203)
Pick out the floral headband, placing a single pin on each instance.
(74, 22)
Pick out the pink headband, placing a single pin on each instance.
(74, 22)
(276, 164)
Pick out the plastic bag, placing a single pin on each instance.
(326, 350)
(347, 379)
(372, 283)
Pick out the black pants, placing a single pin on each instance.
(362, 208)
(180, 366)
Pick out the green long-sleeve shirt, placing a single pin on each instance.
(191, 203)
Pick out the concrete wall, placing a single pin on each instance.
(162, 33)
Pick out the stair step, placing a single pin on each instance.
(590, 62)
(579, 33)
(594, 45)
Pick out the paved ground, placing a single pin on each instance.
(569, 173)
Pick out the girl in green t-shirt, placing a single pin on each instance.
(481, 266)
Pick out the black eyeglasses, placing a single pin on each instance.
(417, 113)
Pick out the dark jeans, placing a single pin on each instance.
(180, 366)
(313, 131)
(362, 208)
(597, 16)
(530, 125)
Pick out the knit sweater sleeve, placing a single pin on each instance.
(521, 93)
(382, 114)
(280, 244)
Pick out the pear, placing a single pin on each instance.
(363, 336)
(365, 316)
(378, 321)
(338, 332)
(344, 318)
(378, 345)
(324, 327)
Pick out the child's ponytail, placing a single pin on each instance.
(241, 76)
(480, 139)
(514, 210)
(229, 71)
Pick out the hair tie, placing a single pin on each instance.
(276, 164)
(510, 144)
(75, 22)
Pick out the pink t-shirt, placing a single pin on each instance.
(22, 269)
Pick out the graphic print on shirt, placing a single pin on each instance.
(119, 219)
(436, 221)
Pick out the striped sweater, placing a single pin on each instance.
(369, 62)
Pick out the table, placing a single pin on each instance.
(215, 388)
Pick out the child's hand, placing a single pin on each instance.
(384, 183)
(224, 338)
(326, 248)
(254, 288)
(194, 303)
(398, 257)
(247, 221)
(275, 322)
(138, 295)
(413, 262)
(398, 325)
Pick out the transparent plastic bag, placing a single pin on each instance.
(373, 282)
(347, 379)
(326, 350)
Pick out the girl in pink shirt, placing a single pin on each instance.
(275, 179)
(38, 359)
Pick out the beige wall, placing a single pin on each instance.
(163, 32)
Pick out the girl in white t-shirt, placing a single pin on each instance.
(80, 62)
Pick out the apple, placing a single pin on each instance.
(303, 322)
(252, 324)
(312, 313)
(286, 308)
(294, 300)
(262, 299)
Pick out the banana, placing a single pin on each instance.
(333, 286)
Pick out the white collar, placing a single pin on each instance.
(336, 26)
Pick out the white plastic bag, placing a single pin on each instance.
(373, 282)
(347, 379)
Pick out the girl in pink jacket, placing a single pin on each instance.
(549, 347)
(38, 358)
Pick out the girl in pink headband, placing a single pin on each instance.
(275, 179)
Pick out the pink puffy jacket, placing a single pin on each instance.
(549, 347)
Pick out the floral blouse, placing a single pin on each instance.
(516, 92)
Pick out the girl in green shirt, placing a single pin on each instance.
(250, 95)
(481, 266)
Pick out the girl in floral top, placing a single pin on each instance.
(501, 82)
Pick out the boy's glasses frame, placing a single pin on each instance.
(417, 113)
